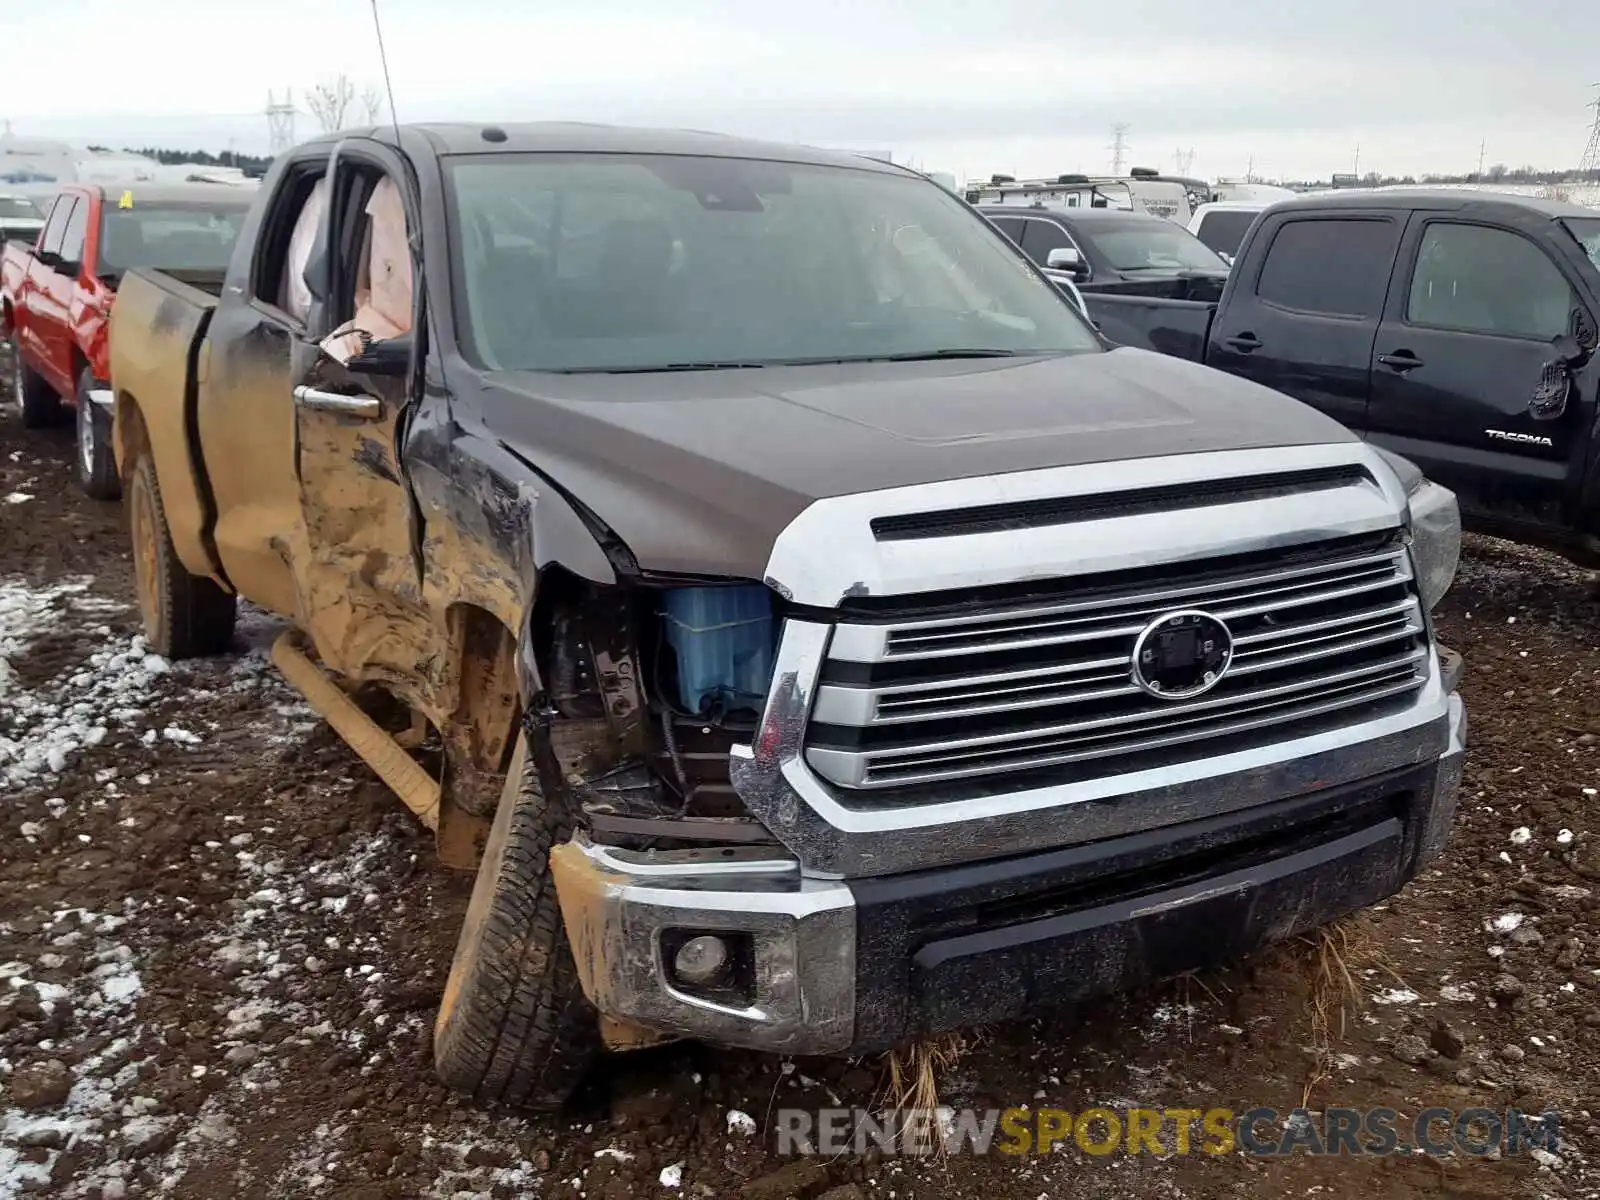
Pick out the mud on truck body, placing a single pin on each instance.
(814, 636)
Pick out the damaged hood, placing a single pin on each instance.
(699, 471)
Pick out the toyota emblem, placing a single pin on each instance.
(1181, 655)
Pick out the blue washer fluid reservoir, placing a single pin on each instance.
(723, 641)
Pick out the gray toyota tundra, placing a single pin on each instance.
(809, 631)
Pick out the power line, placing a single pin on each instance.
(1118, 148)
(1591, 156)
(280, 122)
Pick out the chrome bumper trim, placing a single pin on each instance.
(617, 904)
(1446, 785)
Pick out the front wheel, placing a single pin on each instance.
(97, 463)
(185, 616)
(514, 1025)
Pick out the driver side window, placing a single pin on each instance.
(375, 292)
(1484, 280)
(55, 226)
(73, 237)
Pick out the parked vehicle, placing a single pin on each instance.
(1142, 192)
(1248, 191)
(811, 667)
(56, 294)
(1222, 224)
(20, 219)
(1106, 251)
(1455, 328)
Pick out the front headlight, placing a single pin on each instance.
(1435, 521)
(1435, 539)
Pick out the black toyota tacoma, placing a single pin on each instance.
(1456, 328)
(813, 635)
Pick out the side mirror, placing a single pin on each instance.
(1067, 258)
(1550, 393)
(390, 358)
(1567, 349)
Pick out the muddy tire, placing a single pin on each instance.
(514, 1026)
(97, 461)
(185, 616)
(40, 407)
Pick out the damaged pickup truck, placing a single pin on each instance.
(744, 559)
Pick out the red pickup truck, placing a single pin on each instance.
(56, 295)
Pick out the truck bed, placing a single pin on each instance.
(188, 282)
(1176, 327)
(158, 328)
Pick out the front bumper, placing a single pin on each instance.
(855, 965)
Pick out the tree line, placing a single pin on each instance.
(251, 164)
(1499, 173)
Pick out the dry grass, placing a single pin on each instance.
(1333, 960)
(914, 1070)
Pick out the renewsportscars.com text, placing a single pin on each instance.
(1264, 1132)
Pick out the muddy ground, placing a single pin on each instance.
(222, 943)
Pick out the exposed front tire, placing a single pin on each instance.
(185, 616)
(97, 462)
(514, 1025)
(40, 407)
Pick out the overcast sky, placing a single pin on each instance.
(1024, 86)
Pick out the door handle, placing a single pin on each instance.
(318, 400)
(1244, 343)
(1400, 360)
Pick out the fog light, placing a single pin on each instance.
(701, 959)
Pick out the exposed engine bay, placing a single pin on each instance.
(648, 688)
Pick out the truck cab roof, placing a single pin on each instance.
(582, 137)
(1440, 199)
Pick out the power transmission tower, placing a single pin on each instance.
(1183, 160)
(1483, 153)
(280, 122)
(1118, 147)
(1591, 156)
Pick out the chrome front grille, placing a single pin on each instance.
(1042, 681)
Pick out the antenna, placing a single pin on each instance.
(388, 85)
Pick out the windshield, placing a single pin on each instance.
(1150, 244)
(596, 262)
(14, 208)
(1587, 231)
(168, 237)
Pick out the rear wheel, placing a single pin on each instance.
(185, 616)
(40, 407)
(97, 464)
(514, 1025)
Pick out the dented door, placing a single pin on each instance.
(362, 580)
(361, 586)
